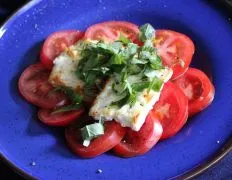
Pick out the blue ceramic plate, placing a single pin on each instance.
(23, 139)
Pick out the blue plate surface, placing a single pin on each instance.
(23, 139)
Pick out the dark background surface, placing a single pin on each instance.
(221, 171)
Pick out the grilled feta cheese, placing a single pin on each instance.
(132, 116)
(63, 72)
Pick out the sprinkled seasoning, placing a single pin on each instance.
(99, 171)
(33, 163)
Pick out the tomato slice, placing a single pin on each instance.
(175, 49)
(58, 119)
(198, 88)
(112, 136)
(110, 31)
(57, 43)
(138, 143)
(171, 109)
(34, 86)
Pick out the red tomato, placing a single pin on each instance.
(198, 88)
(171, 109)
(112, 136)
(57, 43)
(138, 143)
(110, 31)
(34, 86)
(58, 119)
(175, 49)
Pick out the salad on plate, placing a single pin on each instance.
(116, 86)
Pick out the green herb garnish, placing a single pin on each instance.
(146, 32)
(72, 95)
(71, 107)
(124, 39)
(91, 131)
(75, 98)
(121, 60)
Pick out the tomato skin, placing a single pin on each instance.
(110, 31)
(58, 119)
(112, 136)
(34, 87)
(198, 88)
(175, 49)
(171, 109)
(138, 143)
(56, 43)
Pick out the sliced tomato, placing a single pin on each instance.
(34, 86)
(175, 49)
(110, 31)
(171, 109)
(138, 143)
(198, 88)
(113, 134)
(57, 43)
(58, 119)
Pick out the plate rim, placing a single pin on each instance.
(189, 174)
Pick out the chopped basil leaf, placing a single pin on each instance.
(91, 131)
(117, 59)
(155, 84)
(71, 107)
(73, 96)
(132, 98)
(150, 72)
(128, 85)
(146, 32)
(145, 55)
(135, 60)
(130, 50)
(116, 46)
(155, 61)
(148, 46)
(91, 91)
(157, 65)
(103, 70)
(117, 68)
(91, 77)
(140, 86)
(90, 63)
(134, 69)
(124, 39)
(121, 101)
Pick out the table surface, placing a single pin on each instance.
(222, 170)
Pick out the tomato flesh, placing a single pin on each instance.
(58, 119)
(110, 31)
(34, 86)
(175, 49)
(198, 88)
(171, 109)
(57, 43)
(138, 143)
(113, 134)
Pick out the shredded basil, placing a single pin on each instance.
(91, 131)
(146, 32)
(124, 39)
(75, 98)
(71, 107)
(120, 60)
